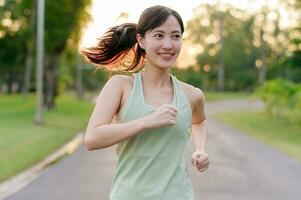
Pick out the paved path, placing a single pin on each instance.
(241, 169)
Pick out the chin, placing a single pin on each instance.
(165, 66)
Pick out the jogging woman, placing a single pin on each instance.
(155, 113)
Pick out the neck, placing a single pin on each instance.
(155, 78)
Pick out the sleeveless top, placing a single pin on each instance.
(151, 165)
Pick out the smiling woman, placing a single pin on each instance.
(155, 112)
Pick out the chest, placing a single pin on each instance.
(157, 97)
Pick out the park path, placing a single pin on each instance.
(240, 169)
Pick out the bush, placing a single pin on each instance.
(282, 98)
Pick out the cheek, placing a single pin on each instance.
(152, 48)
(178, 46)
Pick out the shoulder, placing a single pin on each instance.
(195, 95)
(117, 84)
(121, 81)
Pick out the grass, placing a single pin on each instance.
(275, 131)
(22, 143)
(218, 96)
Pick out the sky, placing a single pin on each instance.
(106, 14)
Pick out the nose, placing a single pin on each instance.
(167, 44)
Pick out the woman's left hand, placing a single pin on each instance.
(200, 160)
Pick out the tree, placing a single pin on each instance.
(224, 33)
(64, 22)
(13, 37)
(60, 33)
(234, 42)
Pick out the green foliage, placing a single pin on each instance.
(293, 63)
(92, 80)
(63, 19)
(252, 42)
(14, 36)
(282, 98)
(64, 23)
(188, 75)
(239, 51)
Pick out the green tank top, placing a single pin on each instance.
(151, 165)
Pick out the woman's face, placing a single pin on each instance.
(162, 45)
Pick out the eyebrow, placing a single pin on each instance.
(160, 31)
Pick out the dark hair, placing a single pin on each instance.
(118, 50)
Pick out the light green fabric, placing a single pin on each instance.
(151, 165)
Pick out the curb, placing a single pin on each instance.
(24, 178)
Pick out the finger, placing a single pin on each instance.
(204, 162)
(193, 161)
(171, 118)
(204, 165)
(172, 108)
(172, 122)
(202, 159)
(201, 166)
(169, 110)
(172, 113)
(203, 169)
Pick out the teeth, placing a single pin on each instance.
(166, 54)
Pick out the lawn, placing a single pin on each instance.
(218, 96)
(22, 143)
(278, 132)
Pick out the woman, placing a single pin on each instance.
(155, 112)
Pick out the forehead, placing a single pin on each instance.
(170, 25)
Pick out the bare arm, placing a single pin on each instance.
(101, 133)
(199, 159)
(199, 123)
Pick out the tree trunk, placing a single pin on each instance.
(29, 57)
(221, 70)
(262, 73)
(79, 80)
(19, 82)
(28, 67)
(262, 69)
(10, 82)
(50, 77)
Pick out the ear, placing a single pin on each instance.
(140, 40)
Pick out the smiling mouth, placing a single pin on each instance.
(166, 55)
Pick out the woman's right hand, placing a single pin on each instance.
(165, 115)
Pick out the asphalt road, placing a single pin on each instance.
(240, 169)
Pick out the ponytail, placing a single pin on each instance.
(117, 50)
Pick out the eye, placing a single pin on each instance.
(177, 36)
(158, 35)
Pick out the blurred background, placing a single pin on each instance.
(231, 50)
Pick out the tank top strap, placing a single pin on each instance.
(139, 85)
(181, 97)
(177, 87)
(134, 93)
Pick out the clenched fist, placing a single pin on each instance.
(200, 160)
(165, 115)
